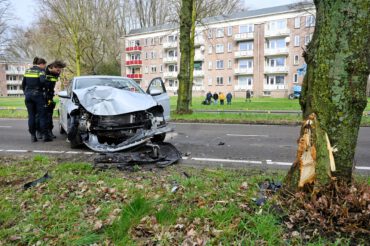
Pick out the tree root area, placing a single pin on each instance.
(337, 210)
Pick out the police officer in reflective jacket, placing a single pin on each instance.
(52, 73)
(33, 86)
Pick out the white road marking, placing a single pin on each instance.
(88, 153)
(5, 126)
(48, 151)
(362, 168)
(241, 135)
(16, 150)
(225, 160)
(269, 162)
(73, 152)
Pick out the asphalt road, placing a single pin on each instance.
(211, 144)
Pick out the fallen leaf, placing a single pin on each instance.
(98, 225)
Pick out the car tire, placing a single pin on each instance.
(159, 138)
(61, 130)
(291, 96)
(75, 142)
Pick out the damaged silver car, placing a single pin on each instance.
(111, 113)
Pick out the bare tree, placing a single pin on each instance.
(4, 26)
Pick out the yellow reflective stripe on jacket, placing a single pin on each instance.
(33, 74)
(51, 78)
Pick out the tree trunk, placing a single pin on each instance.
(192, 50)
(183, 99)
(334, 90)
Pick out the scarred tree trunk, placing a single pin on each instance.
(333, 92)
(183, 100)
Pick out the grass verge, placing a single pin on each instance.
(82, 206)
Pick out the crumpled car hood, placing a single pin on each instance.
(106, 100)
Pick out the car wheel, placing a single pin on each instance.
(76, 141)
(61, 130)
(159, 138)
(291, 96)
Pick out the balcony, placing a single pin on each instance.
(169, 75)
(243, 87)
(198, 57)
(243, 53)
(135, 76)
(198, 41)
(134, 49)
(243, 71)
(274, 87)
(198, 88)
(282, 69)
(172, 59)
(13, 82)
(277, 33)
(279, 51)
(14, 92)
(14, 72)
(244, 36)
(172, 88)
(134, 63)
(198, 73)
(169, 45)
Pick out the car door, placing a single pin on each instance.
(158, 91)
(64, 99)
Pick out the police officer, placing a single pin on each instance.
(52, 73)
(33, 86)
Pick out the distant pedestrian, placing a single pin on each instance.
(248, 96)
(208, 98)
(215, 98)
(222, 98)
(228, 98)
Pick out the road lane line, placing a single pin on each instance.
(5, 126)
(225, 160)
(279, 163)
(73, 152)
(241, 135)
(362, 168)
(88, 153)
(48, 151)
(16, 150)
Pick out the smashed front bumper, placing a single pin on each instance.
(140, 137)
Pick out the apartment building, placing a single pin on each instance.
(258, 50)
(11, 76)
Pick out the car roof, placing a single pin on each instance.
(97, 76)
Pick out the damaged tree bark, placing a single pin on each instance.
(333, 93)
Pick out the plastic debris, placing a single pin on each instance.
(37, 181)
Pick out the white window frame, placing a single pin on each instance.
(220, 32)
(295, 60)
(310, 21)
(219, 80)
(229, 64)
(146, 69)
(210, 65)
(219, 64)
(219, 48)
(307, 39)
(229, 31)
(248, 64)
(229, 80)
(297, 22)
(296, 40)
(210, 49)
(247, 80)
(295, 78)
(210, 31)
(229, 47)
(153, 67)
(210, 81)
(249, 28)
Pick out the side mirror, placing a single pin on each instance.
(63, 94)
(155, 92)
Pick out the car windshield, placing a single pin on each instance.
(119, 83)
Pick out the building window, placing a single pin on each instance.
(172, 83)
(296, 60)
(245, 80)
(161, 68)
(160, 40)
(210, 49)
(220, 33)
(276, 62)
(146, 55)
(310, 20)
(229, 47)
(276, 43)
(172, 53)
(172, 68)
(209, 33)
(296, 40)
(154, 69)
(245, 63)
(245, 46)
(229, 81)
(297, 22)
(229, 64)
(246, 28)
(220, 64)
(146, 69)
(145, 41)
(307, 39)
(209, 81)
(210, 65)
(219, 48)
(229, 31)
(277, 25)
(11, 77)
(220, 81)
(275, 80)
(295, 78)
(172, 38)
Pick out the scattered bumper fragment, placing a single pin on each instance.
(159, 154)
(37, 181)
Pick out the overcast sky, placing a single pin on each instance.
(24, 11)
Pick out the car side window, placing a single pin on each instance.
(69, 88)
(157, 85)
